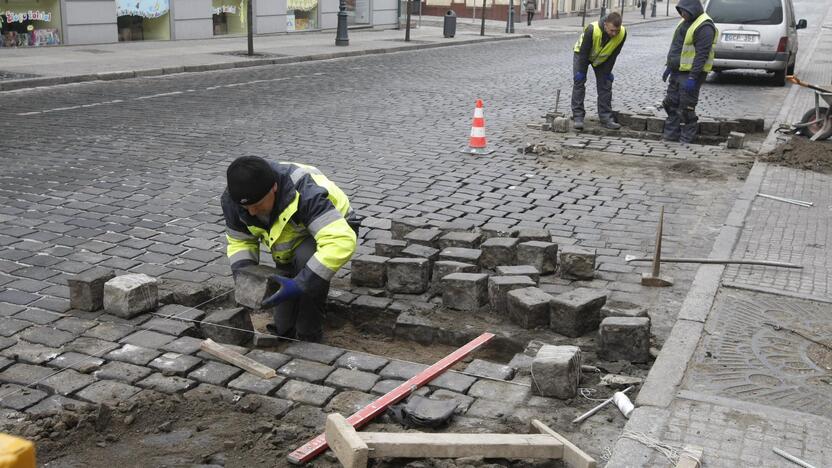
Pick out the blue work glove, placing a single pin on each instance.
(289, 290)
(690, 85)
(610, 77)
(667, 73)
(580, 76)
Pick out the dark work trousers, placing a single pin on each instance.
(530, 15)
(301, 318)
(603, 86)
(682, 122)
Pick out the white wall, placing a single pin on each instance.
(385, 12)
(270, 16)
(329, 13)
(89, 22)
(192, 19)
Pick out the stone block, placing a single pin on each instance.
(66, 382)
(127, 296)
(55, 405)
(46, 336)
(463, 401)
(80, 362)
(401, 370)
(12, 326)
(402, 227)
(557, 371)
(385, 386)
(495, 230)
(109, 331)
(519, 270)
(746, 126)
(212, 393)
(389, 247)
(736, 140)
(306, 393)
(708, 127)
(306, 370)
(576, 263)
(133, 354)
(576, 312)
(453, 381)
(253, 284)
(637, 122)
(625, 339)
(457, 225)
(25, 374)
(269, 359)
(165, 384)
(504, 392)
(30, 353)
(465, 291)
(95, 347)
(107, 391)
(184, 293)
(490, 370)
(361, 361)
(623, 118)
(490, 409)
(369, 271)
(728, 126)
(528, 307)
(215, 373)
(172, 327)
(421, 251)
(622, 309)
(184, 345)
(655, 124)
(86, 291)
(348, 379)
(250, 383)
(426, 237)
(175, 364)
(443, 268)
(19, 398)
(461, 255)
(214, 326)
(465, 240)
(499, 286)
(498, 251)
(265, 341)
(314, 352)
(408, 275)
(413, 327)
(560, 124)
(349, 402)
(267, 406)
(521, 363)
(541, 255)
(122, 371)
(371, 314)
(531, 234)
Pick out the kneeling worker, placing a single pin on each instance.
(302, 218)
(598, 46)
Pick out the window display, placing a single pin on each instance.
(30, 23)
(301, 15)
(229, 17)
(140, 20)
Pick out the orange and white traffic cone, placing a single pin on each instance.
(476, 143)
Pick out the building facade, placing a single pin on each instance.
(37, 23)
(498, 9)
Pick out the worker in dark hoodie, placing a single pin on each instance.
(690, 59)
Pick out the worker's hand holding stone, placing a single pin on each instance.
(667, 73)
(289, 290)
(690, 85)
(580, 76)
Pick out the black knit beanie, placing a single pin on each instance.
(249, 179)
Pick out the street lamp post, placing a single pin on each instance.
(603, 9)
(249, 30)
(510, 21)
(342, 36)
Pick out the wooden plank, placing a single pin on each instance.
(572, 455)
(688, 462)
(429, 445)
(308, 451)
(233, 357)
(351, 451)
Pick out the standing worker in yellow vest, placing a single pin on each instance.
(598, 46)
(689, 60)
(304, 220)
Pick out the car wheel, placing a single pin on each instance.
(809, 116)
(780, 77)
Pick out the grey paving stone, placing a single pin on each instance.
(465, 291)
(122, 372)
(361, 361)
(306, 370)
(147, 339)
(19, 398)
(175, 364)
(349, 402)
(461, 255)
(408, 275)
(424, 236)
(215, 373)
(6, 342)
(576, 312)
(443, 268)
(30, 353)
(463, 401)
(167, 384)
(254, 284)
(490, 409)
(129, 295)
(400, 370)
(183, 345)
(531, 234)
(5, 362)
(420, 251)
(314, 352)
(81, 362)
(107, 391)
(389, 247)
(171, 327)
(74, 325)
(385, 386)
(305, 392)
(519, 270)
(47, 336)
(231, 326)
(499, 391)
(109, 331)
(252, 384)
(90, 346)
(624, 339)
(25, 374)
(11, 326)
(208, 392)
(498, 288)
(38, 316)
(576, 263)
(183, 293)
(86, 290)
(269, 406)
(133, 354)
(490, 369)
(415, 327)
(498, 251)
(369, 271)
(352, 380)
(66, 382)
(453, 381)
(371, 314)
(528, 307)
(557, 371)
(56, 404)
(401, 227)
(466, 240)
(269, 358)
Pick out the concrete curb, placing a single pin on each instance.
(12, 85)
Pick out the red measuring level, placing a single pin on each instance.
(318, 445)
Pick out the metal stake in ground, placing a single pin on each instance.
(653, 278)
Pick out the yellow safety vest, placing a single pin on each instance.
(689, 49)
(599, 54)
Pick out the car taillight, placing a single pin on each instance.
(784, 42)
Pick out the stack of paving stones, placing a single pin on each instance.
(117, 341)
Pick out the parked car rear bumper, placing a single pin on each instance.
(779, 63)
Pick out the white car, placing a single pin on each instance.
(756, 34)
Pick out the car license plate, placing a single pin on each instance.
(740, 37)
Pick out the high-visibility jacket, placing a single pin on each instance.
(688, 54)
(306, 204)
(600, 53)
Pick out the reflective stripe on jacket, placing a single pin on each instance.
(307, 204)
(599, 54)
(688, 54)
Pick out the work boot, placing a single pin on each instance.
(578, 124)
(611, 124)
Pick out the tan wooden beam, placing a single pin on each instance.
(212, 347)
(430, 445)
(348, 446)
(572, 455)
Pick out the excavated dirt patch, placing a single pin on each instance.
(801, 153)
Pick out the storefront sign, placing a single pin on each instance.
(143, 8)
(230, 9)
(23, 16)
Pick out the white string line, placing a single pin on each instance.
(672, 452)
(100, 353)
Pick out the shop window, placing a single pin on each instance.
(143, 20)
(301, 15)
(229, 17)
(30, 23)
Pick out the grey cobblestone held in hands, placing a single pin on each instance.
(342, 36)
